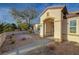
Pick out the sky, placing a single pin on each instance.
(5, 15)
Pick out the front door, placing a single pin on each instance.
(50, 29)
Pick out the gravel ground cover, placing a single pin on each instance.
(55, 48)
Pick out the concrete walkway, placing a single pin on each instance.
(24, 49)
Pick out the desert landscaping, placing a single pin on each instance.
(39, 29)
(55, 48)
(41, 46)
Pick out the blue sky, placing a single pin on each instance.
(5, 8)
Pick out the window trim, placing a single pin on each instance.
(72, 26)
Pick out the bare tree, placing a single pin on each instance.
(27, 14)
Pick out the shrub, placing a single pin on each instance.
(1, 27)
(23, 38)
(30, 31)
(51, 47)
(12, 42)
(13, 39)
(7, 27)
(23, 26)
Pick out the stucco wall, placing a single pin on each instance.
(73, 36)
(36, 28)
(64, 28)
(61, 26)
(55, 14)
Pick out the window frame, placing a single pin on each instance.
(73, 26)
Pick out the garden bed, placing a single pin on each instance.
(54, 48)
(19, 41)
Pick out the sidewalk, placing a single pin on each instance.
(26, 48)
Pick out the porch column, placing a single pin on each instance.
(45, 29)
(57, 30)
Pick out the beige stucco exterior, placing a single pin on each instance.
(52, 23)
(73, 36)
(36, 28)
(55, 16)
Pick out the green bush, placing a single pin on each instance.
(23, 26)
(7, 27)
(1, 27)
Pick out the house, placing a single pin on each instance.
(60, 24)
(36, 28)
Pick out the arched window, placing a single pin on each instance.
(73, 26)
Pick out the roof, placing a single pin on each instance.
(56, 6)
(37, 20)
(69, 15)
(73, 14)
(53, 7)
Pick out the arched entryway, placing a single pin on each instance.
(48, 27)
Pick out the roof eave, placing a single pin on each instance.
(51, 8)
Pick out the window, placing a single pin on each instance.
(73, 26)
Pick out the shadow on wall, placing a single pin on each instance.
(64, 29)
